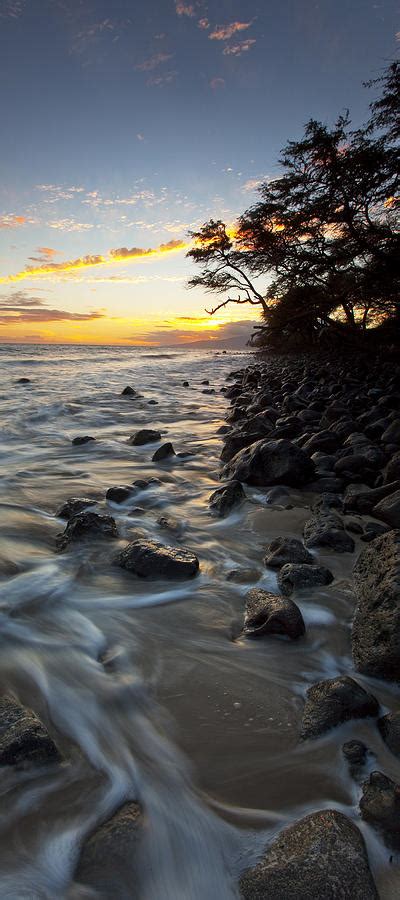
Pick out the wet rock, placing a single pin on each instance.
(380, 805)
(225, 498)
(107, 863)
(24, 740)
(388, 510)
(334, 701)
(327, 530)
(362, 499)
(271, 462)
(376, 623)
(129, 391)
(144, 436)
(320, 857)
(323, 441)
(73, 506)
(23, 381)
(164, 452)
(389, 727)
(295, 576)
(119, 494)
(327, 502)
(205, 381)
(152, 402)
(185, 384)
(143, 483)
(86, 525)
(392, 470)
(355, 752)
(354, 526)
(242, 575)
(169, 523)
(238, 440)
(208, 391)
(268, 613)
(150, 558)
(283, 550)
(392, 433)
(373, 530)
(82, 439)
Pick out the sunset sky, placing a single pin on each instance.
(124, 124)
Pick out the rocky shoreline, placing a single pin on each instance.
(330, 428)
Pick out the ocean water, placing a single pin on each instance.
(145, 685)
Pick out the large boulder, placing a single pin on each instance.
(389, 727)
(376, 623)
(327, 530)
(73, 506)
(271, 462)
(86, 525)
(153, 559)
(268, 613)
(225, 498)
(361, 498)
(334, 701)
(321, 857)
(24, 740)
(388, 510)
(144, 436)
(283, 550)
(380, 805)
(295, 576)
(107, 863)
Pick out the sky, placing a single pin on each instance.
(126, 124)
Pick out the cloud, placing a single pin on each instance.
(19, 299)
(121, 254)
(203, 24)
(208, 330)
(69, 225)
(46, 254)
(225, 32)
(48, 315)
(11, 9)
(252, 184)
(153, 62)
(238, 49)
(217, 83)
(12, 221)
(185, 9)
(161, 80)
(140, 137)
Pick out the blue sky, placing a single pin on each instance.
(125, 123)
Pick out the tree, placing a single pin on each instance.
(323, 237)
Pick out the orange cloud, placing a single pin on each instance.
(238, 49)
(185, 9)
(12, 221)
(225, 32)
(122, 254)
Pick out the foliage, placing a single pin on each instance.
(323, 238)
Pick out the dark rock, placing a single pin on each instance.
(325, 441)
(169, 523)
(376, 623)
(388, 510)
(84, 439)
(152, 402)
(23, 381)
(271, 462)
(86, 525)
(268, 613)
(185, 384)
(392, 470)
(119, 493)
(208, 391)
(373, 530)
(320, 857)
(284, 550)
(73, 506)
(362, 499)
(355, 752)
(389, 727)
(143, 483)
(144, 436)
(150, 558)
(392, 433)
(380, 805)
(294, 576)
(242, 575)
(129, 392)
(107, 863)
(327, 530)
(334, 701)
(23, 738)
(164, 452)
(354, 526)
(206, 381)
(225, 498)
(238, 440)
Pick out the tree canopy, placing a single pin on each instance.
(321, 247)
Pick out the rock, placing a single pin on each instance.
(355, 752)
(321, 857)
(238, 440)
(129, 392)
(108, 859)
(73, 506)
(388, 510)
(380, 805)
(376, 623)
(150, 558)
(208, 391)
(225, 498)
(119, 494)
(389, 727)
(152, 402)
(373, 530)
(284, 550)
(23, 381)
(360, 498)
(82, 439)
(327, 530)
(164, 452)
(205, 381)
(169, 523)
(144, 436)
(392, 433)
(185, 384)
(86, 525)
(323, 441)
(392, 470)
(327, 502)
(23, 738)
(354, 526)
(334, 701)
(294, 576)
(242, 575)
(268, 613)
(143, 483)
(271, 462)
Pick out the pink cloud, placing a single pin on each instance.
(225, 32)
